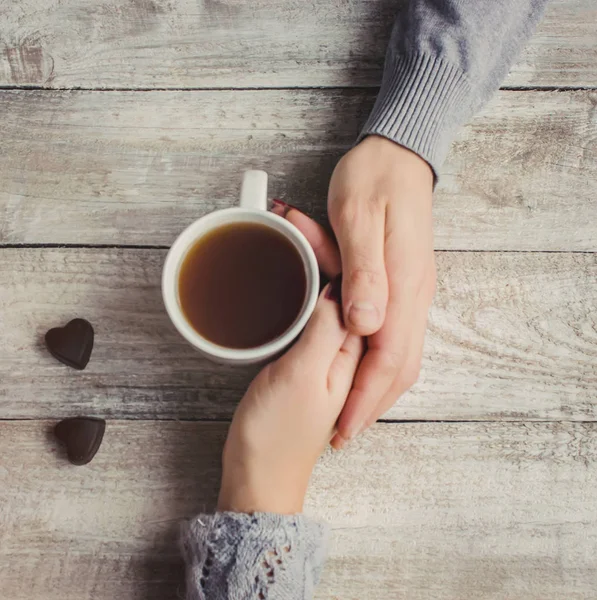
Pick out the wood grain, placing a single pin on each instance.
(434, 511)
(512, 336)
(232, 43)
(488, 509)
(135, 168)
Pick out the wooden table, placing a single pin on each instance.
(122, 121)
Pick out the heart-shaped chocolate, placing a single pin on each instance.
(71, 344)
(82, 437)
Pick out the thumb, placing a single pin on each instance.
(361, 238)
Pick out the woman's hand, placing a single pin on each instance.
(288, 415)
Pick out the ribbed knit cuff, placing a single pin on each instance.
(422, 102)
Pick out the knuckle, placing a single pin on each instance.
(420, 282)
(376, 204)
(403, 372)
(275, 373)
(366, 277)
(288, 369)
(355, 211)
(388, 364)
(347, 216)
(409, 375)
(414, 281)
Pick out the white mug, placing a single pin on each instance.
(252, 209)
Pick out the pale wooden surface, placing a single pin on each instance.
(262, 43)
(437, 512)
(511, 336)
(492, 506)
(110, 168)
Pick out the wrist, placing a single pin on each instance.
(409, 161)
(251, 485)
(242, 498)
(422, 102)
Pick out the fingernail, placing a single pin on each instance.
(363, 314)
(282, 208)
(338, 442)
(353, 432)
(334, 291)
(339, 445)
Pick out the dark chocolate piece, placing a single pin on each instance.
(71, 344)
(82, 437)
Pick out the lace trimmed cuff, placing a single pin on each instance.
(236, 556)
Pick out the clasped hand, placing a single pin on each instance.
(330, 385)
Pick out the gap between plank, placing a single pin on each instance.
(86, 246)
(40, 88)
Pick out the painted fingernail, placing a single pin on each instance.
(363, 314)
(282, 208)
(334, 291)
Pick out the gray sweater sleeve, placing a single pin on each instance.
(444, 61)
(236, 556)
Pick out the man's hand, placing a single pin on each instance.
(379, 205)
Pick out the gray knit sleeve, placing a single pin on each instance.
(444, 61)
(236, 556)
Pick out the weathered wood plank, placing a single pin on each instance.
(511, 336)
(135, 168)
(506, 510)
(232, 43)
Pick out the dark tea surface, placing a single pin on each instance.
(242, 285)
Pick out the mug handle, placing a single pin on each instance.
(253, 193)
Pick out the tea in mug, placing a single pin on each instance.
(242, 285)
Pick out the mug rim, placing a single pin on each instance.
(189, 236)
